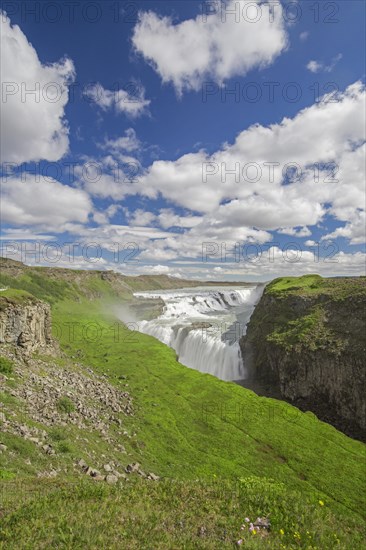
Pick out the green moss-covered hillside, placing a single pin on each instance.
(307, 340)
(218, 453)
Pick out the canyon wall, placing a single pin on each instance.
(24, 321)
(306, 342)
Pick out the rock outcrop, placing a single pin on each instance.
(308, 346)
(25, 321)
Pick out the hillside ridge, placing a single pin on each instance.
(117, 403)
(306, 342)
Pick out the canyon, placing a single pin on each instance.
(306, 343)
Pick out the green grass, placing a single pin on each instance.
(170, 514)
(302, 316)
(201, 436)
(309, 331)
(65, 405)
(15, 296)
(4, 474)
(304, 283)
(215, 427)
(65, 447)
(7, 398)
(336, 288)
(6, 366)
(36, 285)
(58, 434)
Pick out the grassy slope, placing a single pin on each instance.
(311, 330)
(16, 296)
(336, 288)
(190, 425)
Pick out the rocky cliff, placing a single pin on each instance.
(24, 320)
(306, 343)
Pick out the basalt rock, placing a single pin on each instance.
(309, 348)
(25, 322)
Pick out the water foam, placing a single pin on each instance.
(196, 321)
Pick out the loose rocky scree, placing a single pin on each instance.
(94, 405)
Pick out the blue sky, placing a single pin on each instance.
(146, 97)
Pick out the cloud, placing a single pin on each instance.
(355, 230)
(191, 243)
(113, 176)
(229, 196)
(113, 234)
(217, 46)
(161, 269)
(269, 212)
(130, 102)
(32, 124)
(276, 262)
(317, 66)
(272, 262)
(314, 66)
(104, 217)
(140, 218)
(44, 203)
(167, 218)
(106, 186)
(295, 232)
(129, 142)
(54, 254)
(218, 209)
(24, 235)
(304, 36)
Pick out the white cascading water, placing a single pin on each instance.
(203, 325)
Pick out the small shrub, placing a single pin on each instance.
(21, 446)
(6, 366)
(57, 434)
(65, 405)
(5, 474)
(64, 447)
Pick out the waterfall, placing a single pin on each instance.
(203, 325)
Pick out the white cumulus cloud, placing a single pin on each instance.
(131, 102)
(216, 46)
(221, 188)
(34, 96)
(317, 66)
(45, 203)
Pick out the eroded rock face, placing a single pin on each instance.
(26, 324)
(325, 372)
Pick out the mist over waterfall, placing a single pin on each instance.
(203, 325)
